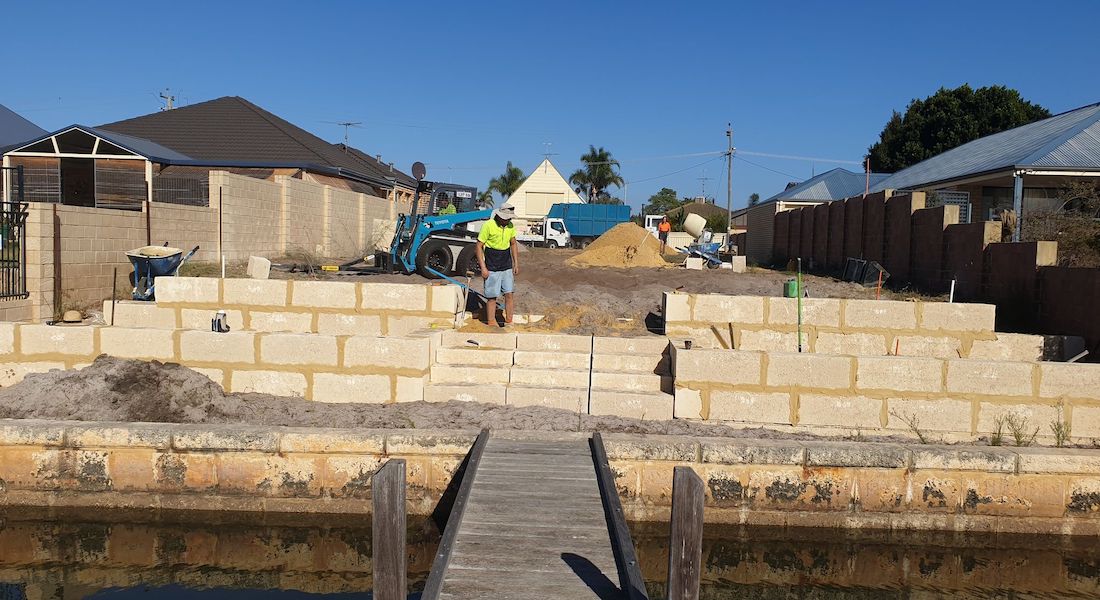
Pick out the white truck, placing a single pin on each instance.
(550, 233)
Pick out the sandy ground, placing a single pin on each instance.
(113, 389)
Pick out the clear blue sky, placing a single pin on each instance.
(467, 86)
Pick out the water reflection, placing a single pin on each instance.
(751, 563)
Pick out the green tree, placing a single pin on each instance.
(661, 202)
(946, 120)
(508, 182)
(600, 172)
(754, 199)
(486, 198)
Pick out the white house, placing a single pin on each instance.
(543, 188)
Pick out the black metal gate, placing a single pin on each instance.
(13, 234)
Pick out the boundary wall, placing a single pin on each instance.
(749, 481)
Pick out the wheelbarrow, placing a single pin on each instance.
(151, 262)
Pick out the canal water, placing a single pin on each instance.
(295, 557)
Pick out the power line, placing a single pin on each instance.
(736, 155)
(679, 171)
(809, 158)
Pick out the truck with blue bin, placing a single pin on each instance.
(574, 225)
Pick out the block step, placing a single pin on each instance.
(646, 406)
(564, 398)
(549, 378)
(462, 339)
(631, 382)
(542, 359)
(486, 357)
(465, 392)
(476, 374)
(632, 363)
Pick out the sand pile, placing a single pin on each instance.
(624, 245)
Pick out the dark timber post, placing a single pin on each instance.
(686, 532)
(388, 531)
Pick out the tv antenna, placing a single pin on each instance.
(169, 99)
(704, 180)
(347, 125)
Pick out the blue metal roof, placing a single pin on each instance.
(836, 184)
(1069, 141)
(14, 129)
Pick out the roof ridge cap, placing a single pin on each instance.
(1065, 136)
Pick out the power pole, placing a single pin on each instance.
(729, 181)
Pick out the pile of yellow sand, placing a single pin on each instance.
(624, 245)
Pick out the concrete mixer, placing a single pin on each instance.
(704, 247)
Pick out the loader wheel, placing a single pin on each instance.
(467, 261)
(435, 254)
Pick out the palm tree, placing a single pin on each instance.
(486, 198)
(599, 173)
(508, 182)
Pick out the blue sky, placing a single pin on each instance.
(467, 86)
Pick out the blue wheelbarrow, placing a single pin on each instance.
(151, 262)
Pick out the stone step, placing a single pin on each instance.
(631, 382)
(487, 357)
(647, 406)
(466, 392)
(552, 397)
(476, 374)
(631, 363)
(542, 359)
(462, 339)
(549, 378)
(652, 344)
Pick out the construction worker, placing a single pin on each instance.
(498, 257)
(662, 232)
(449, 209)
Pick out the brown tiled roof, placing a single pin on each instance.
(382, 168)
(236, 131)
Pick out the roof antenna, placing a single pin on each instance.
(346, 125)
(169, 99)
(546, 155)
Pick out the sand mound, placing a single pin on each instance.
(624, 245)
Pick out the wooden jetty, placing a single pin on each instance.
(536, 519)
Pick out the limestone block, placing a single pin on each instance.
(631, 363)
(749, 407)
(199, 318)
(566, 399)
(131, 313)
(1034, 415)
(338, 387)
(244, 473)
(711, 336)
(693, 263)
(553, 342)
(1086, 422)
(730, 451)
(854, 344)
(445, 298)
(489, 394)
(13, 373)
(630, 345)
(259, 267)
(626, 446)
(224, 437)
(950, 458)
(342, 324)
(879, 314)
(739, 264)
(1009, 346)
(475, 356)
(957, 316)
(711, 308)
(462, 339)
(999, 378)
(899, 373)
(468, 374)
(32, 433)
(125, 342)
(847, 454)
(551, 360)
(272, 322)
(76, 340)
(772, 341)
(277, 383)
(255, 292)
(940, 415)
(298, 349)
(215, 375)
(549, 378)
(852, 412)
(631, 382)
(394, 296)
(919, 345)
(308, 440)
(323, 294)
(676, 306)
(809, 370)
(410, 389)
(1058, 460)
(647, 407)
(718, 366)
(187, 290)
(207, 346)
(688, 404)
(822, 312)
(405, 325)
(388, 353)
(1069, 380)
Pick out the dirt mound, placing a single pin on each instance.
(624, 245)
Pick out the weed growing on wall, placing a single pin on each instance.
(1060, 429)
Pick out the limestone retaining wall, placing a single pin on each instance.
(749, 481)
(953, 399)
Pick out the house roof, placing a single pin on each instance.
(836, 184)
(380, 168)
(136, 145)
(1068, 141)
(14, 129)
(232, 130)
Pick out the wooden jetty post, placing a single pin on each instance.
(388, 531)
(685, 554)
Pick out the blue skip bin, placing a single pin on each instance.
(151, 262)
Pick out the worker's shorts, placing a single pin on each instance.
(499, 282)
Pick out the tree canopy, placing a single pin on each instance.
(661, 202)
(508, 182)
(754, 199)
(946, 120)
(600, 172)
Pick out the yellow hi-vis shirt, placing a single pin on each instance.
(496, 237)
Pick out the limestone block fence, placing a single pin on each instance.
(855, 327)
(233, 469)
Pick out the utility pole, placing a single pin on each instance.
(168, 98)
(729, 181)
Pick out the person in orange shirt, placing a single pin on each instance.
(662, 232)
